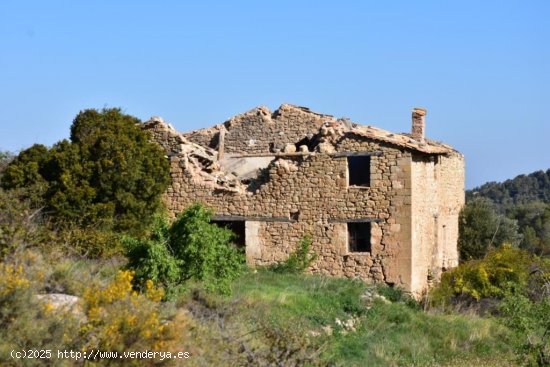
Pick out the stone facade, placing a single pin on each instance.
(287, 174)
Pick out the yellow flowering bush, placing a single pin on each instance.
(109, 316)
(12, 279)
(503, 269)
(119, 318)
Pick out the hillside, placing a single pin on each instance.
(522, 189)
(522, 204)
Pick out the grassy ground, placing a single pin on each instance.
(307, 316)
(270, 319)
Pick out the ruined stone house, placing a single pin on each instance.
(379, 206)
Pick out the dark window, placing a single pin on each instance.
(359, 237)
(359, 171)
(237, 226)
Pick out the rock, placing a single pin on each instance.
(325, 148)
(303, 149)
(156, 119)
(314, 333)
(290, 148)
(381, 298)
(60, 302)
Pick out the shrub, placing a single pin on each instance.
(516, 285)
(152, 258)
(118, 318)
(108, 175)
(25, 322)
(502, 270)
(205, 249)
(18, 225)
(110, 317)
(191, 248)
(532, 321)
(92, 243)
(299, 260)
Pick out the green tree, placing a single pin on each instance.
(534, 222)
(24, 172)
(5, 158)
(25, 169)
(522, 189)
(109, 175)
(481, 228)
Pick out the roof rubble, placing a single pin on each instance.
(201, 163)
(234, 171)
(332, 131)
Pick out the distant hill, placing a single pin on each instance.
(522, 189)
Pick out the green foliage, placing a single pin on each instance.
(481, 228)
(109, 314)
(325, 321)
(299, 260)
(90, 242)
(5, 159)
(191, 248)
(24, 173)
(396, 294)
(525, 199)
(270, 318)
(152, 258)
(25, 169)
(522, 189)
(534, 221)
(205, 249)
(19, 227)
(517, 284)
(532, 321)
(109, 176)
(25, 322)
(502, 270)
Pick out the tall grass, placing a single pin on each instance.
(315, 309)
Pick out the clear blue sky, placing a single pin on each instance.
(481, 68)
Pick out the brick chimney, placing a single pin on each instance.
(418, 123)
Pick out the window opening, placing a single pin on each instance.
(359, 237)
(237, 226)
(359, 171)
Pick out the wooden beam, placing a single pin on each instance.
(376, 153)
(355, 220)
(274, 155)
(252, 219)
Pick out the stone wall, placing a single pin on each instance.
(450, 179)
(261, 131)
(425, 210)
(205, 137)
(412, 202)
(437, 198)
(311, 193)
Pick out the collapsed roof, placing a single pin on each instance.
(207, 162)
